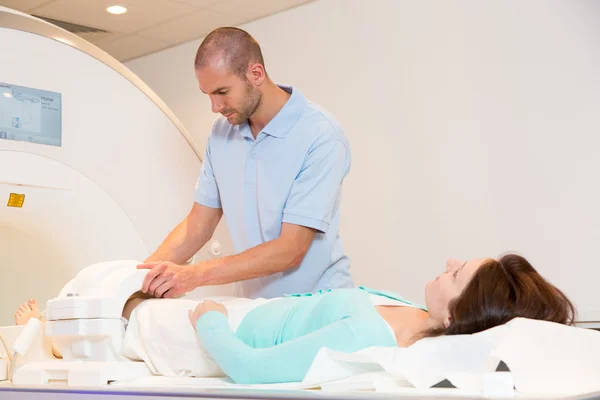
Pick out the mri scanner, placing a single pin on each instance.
(104, 169)
(93, 167)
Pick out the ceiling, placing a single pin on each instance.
(148, 25)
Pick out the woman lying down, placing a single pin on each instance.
(276, 340)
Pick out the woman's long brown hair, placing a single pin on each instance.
(501, 290)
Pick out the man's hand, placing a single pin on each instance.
(169, 280)
(203, 308)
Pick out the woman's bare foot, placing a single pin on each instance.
(26, 311)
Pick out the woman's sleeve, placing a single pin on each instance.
(286, 362)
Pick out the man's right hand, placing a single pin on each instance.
(169, 280)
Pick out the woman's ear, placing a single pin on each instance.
(447, 322)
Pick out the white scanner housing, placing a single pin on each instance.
(85, 319)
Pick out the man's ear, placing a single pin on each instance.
(256, 74)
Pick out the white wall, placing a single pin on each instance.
(473, 125)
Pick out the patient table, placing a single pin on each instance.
(85, 323)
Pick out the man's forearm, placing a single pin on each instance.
(180, 245)
(265, 259)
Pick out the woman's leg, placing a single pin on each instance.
(134, 300)
(31, 309)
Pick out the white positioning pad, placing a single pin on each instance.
(544, 358)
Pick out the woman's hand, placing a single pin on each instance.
(203, 308)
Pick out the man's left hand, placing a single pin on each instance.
(169, 280)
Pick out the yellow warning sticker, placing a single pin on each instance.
(16, 200)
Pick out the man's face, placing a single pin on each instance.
(230, 95)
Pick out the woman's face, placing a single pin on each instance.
(450, 284)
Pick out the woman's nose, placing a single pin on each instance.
(452, 263)
(448, 265)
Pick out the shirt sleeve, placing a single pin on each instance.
(286, 362)
(314, 197)
(207, 190)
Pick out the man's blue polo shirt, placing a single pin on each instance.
(291, 173)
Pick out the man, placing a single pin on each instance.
(274, 166)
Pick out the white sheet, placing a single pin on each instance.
(380, 382)
(160, 334)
